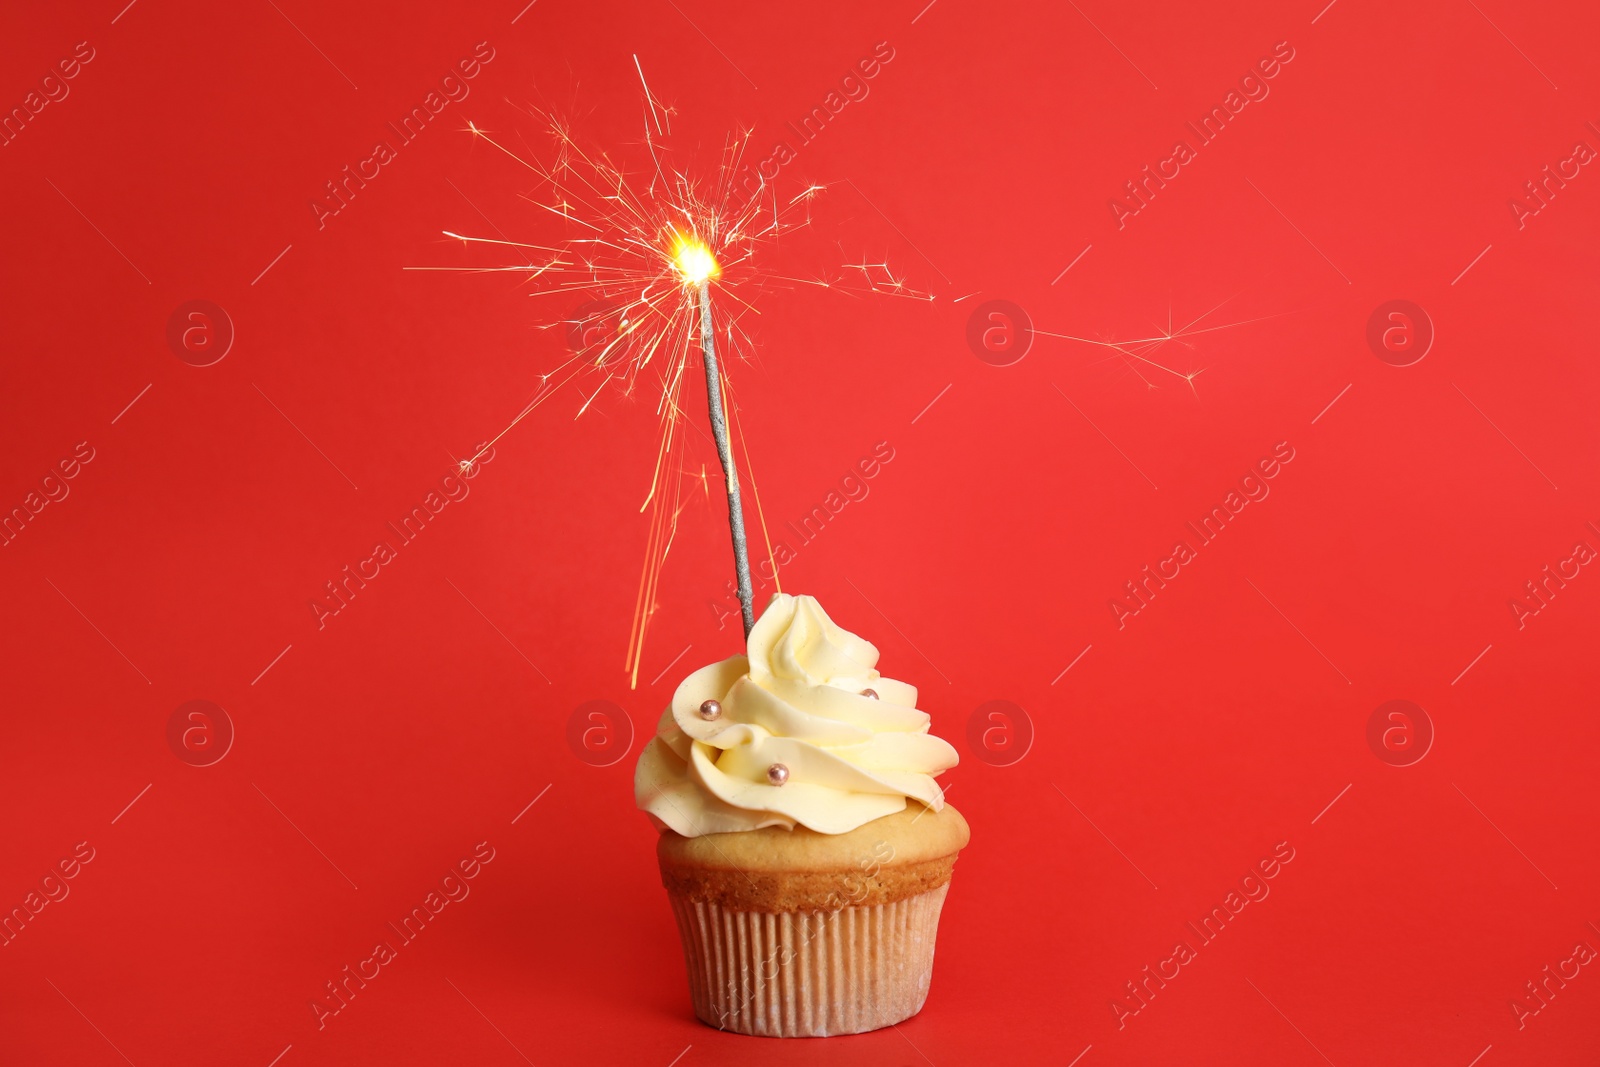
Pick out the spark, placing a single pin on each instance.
(639, 239)
(1138, 353)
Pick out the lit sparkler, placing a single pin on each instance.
(647, 247)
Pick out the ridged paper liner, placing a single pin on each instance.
(809, 974)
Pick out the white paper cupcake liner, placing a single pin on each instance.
(809, 974)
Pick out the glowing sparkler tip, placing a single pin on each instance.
(694, 261)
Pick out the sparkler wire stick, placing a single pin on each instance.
(719, 431)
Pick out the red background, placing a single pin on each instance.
(1222, 719)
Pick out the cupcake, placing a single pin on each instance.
(805, 846)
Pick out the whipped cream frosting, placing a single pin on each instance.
(795, 699)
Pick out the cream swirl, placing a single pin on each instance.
(795, 699)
